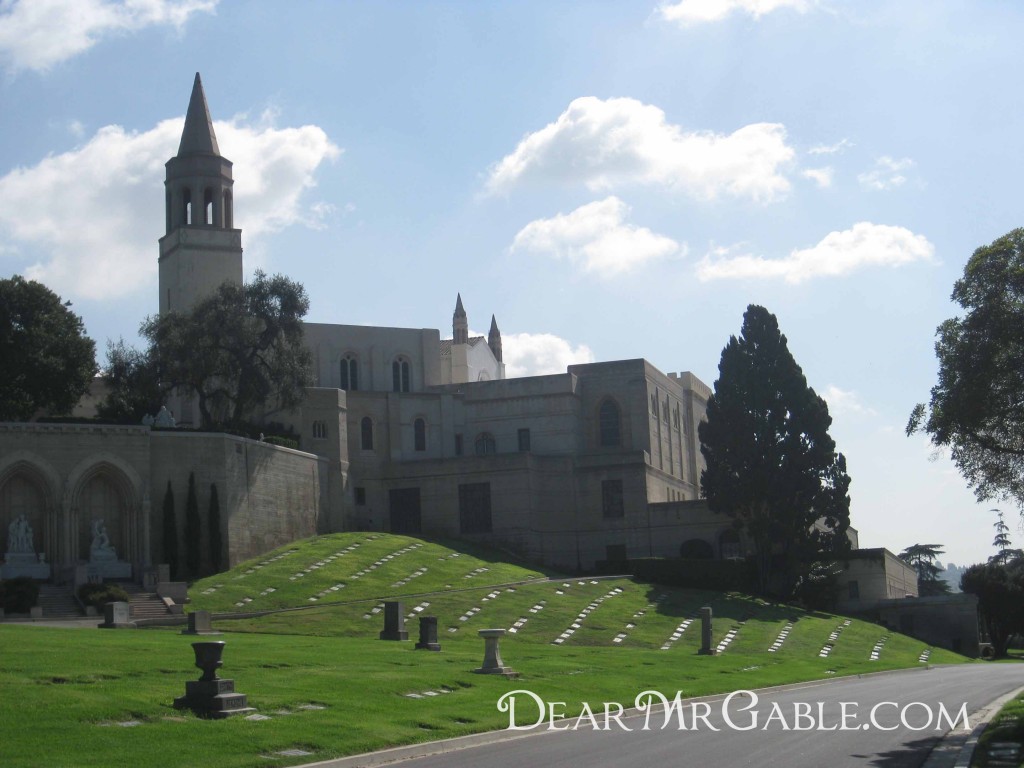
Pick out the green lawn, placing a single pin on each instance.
(331, 688)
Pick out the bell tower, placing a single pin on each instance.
(201, 248)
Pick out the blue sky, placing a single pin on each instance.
(610, 179)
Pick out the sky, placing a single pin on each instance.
(611, 180)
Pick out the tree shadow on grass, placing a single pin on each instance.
(726, 606)
(910, 755)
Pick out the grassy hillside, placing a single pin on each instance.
(328, 686)
(348, 567)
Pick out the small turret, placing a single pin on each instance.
(460, 324)
(494, 340)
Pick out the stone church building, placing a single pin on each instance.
(405, 432)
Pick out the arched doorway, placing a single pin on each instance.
(21, 494)
(107, 507)
(101, 500)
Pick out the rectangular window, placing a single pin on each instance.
(458, 444)
(853, 590)
(611, 498)
(360, 496)
(475, 508)
(524, 440)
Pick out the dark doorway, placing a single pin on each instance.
(405, 511)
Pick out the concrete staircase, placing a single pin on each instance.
(143, 604)
(58, 602)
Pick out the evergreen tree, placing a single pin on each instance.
(770, 463)
(1004, 552)
(170, 532)
(213, 521)
(923, 558)
(192, 535)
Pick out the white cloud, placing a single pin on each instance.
(830, 149)
(90, 217)
(537, 354)
(687, 13)
(887, 173)
(842, 402)
(839, 253)
(37, 34)
(820, 176)
(597, 238)
(605, 143)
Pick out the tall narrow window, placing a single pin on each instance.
(524, 440)
(400, 375)
(608, 423)
(208, 206)
(366, 430)
(419, 435)
(458, 444)
(228, 221)
(186, 205)
(349, 373)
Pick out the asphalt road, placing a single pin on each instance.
(826, 741)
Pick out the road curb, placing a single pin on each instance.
(956, 748)
(444, 746)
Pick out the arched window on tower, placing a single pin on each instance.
(608, 424)
(400, 375)
(419, 435)
(228, 213)
(186, 206)
(349, 373)
(208, 206)
(366, 433)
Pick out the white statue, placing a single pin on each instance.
(164, 418)
(100, 548)
(19, 536)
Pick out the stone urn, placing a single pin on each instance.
(208, 657)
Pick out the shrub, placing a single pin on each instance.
(19, 594)
(98, 595)
(284, 442)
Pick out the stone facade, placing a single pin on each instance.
(872, 575)
(946, 621)
(63, 477)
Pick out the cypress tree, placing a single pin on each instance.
(214, 523)
(192, 533)
(170, 532)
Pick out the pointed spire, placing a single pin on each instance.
(494, 339)
(460, 324)
(198, 137)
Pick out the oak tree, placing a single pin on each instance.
(46, 360)
(977, 407)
